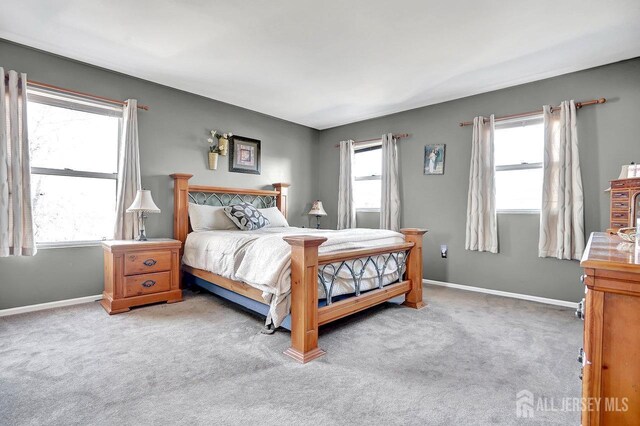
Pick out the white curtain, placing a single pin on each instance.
(482, 228)
(16, 217)
(562, 213)
(126, 226)
(346, 208)
(390, 203)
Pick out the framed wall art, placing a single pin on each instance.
(244, 155)
(434, 159)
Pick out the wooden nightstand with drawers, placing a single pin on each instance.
(140, 272)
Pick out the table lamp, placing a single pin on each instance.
(141, 205)
(317, 210)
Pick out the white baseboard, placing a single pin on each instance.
(49, 305)
(538, 299)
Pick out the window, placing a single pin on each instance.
(74, 150)
(518, 151)
(367, 171)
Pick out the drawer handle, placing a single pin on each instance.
(620, 195)
(620, 204)
(150, 262)
(148, 283)
(619, 214)
(580, 308)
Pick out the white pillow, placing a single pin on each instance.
(209, 218)
(275, 216)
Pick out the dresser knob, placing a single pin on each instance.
(150, 262)
(148, 283)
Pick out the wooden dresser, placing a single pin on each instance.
(625, 203)
(611, 358)
(140, 272)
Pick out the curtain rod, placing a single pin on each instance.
(75, 92)
(397, 136)
(530, 113)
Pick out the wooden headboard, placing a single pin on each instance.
(183, 193)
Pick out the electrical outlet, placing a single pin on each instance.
(443, 251)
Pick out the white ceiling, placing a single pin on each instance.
(331, 62)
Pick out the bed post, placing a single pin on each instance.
(413, 299)
(283, 197)
(304, 298)
(181, 207)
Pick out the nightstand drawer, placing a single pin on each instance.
(144, 262)
(138, 285)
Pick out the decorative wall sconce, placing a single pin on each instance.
(221, 148)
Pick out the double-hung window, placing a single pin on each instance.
(74, 165)
(367, 171)
(518, 154)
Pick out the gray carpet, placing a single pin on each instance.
(459, 361)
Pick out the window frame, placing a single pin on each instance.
(370, 147)
(58, 99)
(522, 166)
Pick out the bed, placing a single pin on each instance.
(297, 278)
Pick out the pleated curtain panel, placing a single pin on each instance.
(16, 216)
(346, 208)
(129, 182)
(562, 212)
(390, 202)
(482, 228)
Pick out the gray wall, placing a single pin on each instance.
(173, 131)
(609, 136)
(172, 139)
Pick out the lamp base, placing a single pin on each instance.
(142, 236)
(317, 222)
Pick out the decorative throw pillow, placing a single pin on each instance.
(246, 217)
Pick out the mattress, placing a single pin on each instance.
(262, 259)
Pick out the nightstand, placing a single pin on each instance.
(140, 272)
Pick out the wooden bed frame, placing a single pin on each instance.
(306, 315)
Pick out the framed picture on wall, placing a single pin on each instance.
(245, 155)
(434, 159)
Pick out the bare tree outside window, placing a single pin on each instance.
(74, 168)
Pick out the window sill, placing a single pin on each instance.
(518, 211)
(367, 210)
(68, 244)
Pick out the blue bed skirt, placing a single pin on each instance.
(254, 306)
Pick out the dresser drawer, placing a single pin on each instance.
(620, 205)
(620, 195)
(143, 262)
(137, 285)
(617, 225)
(619, 216)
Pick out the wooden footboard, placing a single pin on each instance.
(306, 316)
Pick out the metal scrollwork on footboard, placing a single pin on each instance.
(356, 268)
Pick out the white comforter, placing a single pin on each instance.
(262, 259)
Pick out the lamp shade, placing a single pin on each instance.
(317, 209)
(143, 203)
